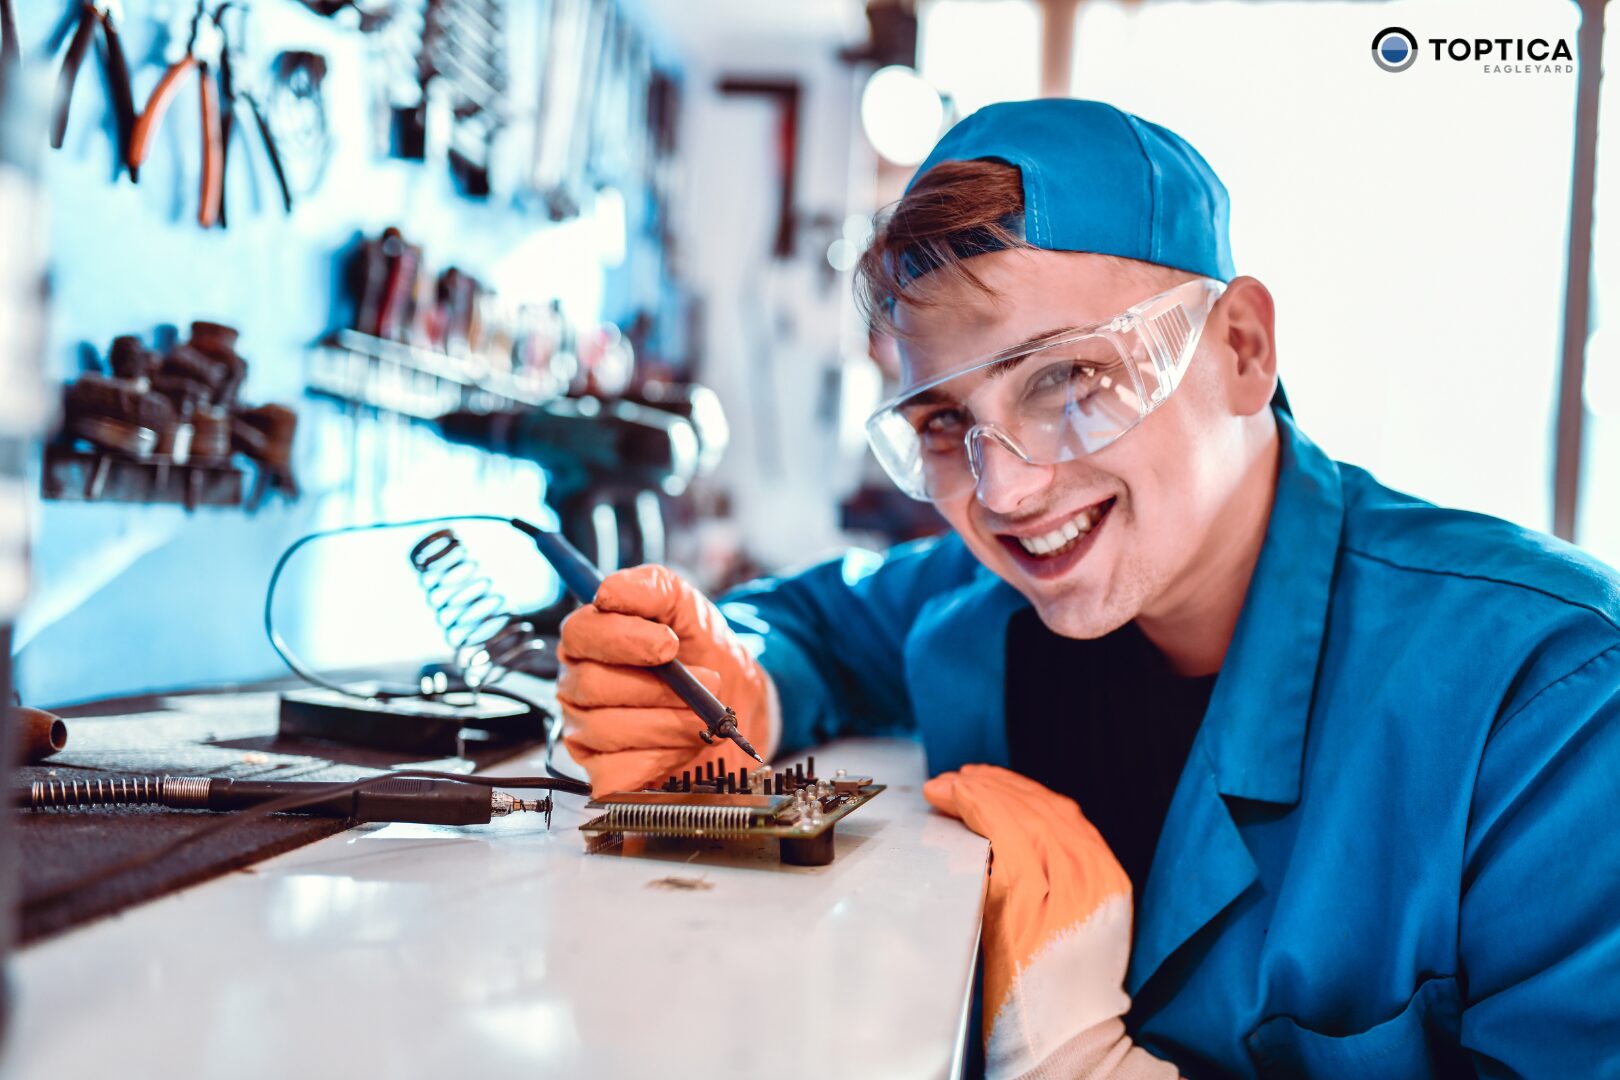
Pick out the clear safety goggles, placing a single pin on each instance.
(1052, 401)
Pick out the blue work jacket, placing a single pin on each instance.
(1394, 849)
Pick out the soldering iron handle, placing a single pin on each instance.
(578, 575)
(227, 794)
(582, 579)
(418, 800)
(683, 682)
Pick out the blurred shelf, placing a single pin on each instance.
(88, 476)
(392, 376)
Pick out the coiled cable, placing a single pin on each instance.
(487, 640)
(298, 668)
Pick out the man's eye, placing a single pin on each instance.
(941, 429)
(1061, 376)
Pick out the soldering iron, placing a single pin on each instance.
(582, 579)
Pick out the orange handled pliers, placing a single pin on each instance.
(213, 149)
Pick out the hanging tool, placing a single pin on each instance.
(10, 51)
(295, 107)
(105, 15)
(375, 15)
(151, 118)
(265, 435)
(229, 95)
(582, 579)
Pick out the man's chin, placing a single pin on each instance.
(1079, 617)
(1073, 606)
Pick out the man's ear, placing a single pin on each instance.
(1249, 323)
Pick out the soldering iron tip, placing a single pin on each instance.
(736, 737)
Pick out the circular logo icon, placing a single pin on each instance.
(1394, 48)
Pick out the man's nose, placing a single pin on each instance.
(1005, 479)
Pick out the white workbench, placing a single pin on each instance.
(505, 950)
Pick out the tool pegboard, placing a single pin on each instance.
(128, 251)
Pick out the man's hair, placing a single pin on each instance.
(954, 211)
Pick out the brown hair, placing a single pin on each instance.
(954, 211)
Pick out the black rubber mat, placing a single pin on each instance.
(222, 734)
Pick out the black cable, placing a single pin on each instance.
(293, 802)
(553, 728)
(279, 644)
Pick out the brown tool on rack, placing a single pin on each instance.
(203, 42)
(216, 344)
(265, 435)
(116, 419)
(103, 14)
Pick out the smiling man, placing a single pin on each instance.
(1356, 754)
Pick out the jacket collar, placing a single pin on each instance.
(1252, 741)
(1255, 727)
(961, 701)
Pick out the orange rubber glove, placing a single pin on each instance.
(624, 726)
(1057, 932)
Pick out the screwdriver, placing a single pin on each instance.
(427, 802)
(582, 579)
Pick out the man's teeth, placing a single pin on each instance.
(1064, 535)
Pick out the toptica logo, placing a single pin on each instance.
(1395, 48)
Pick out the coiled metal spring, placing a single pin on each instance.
(489, 642)
(173, 791)
(707, 818)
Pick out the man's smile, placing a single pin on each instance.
(1049, 549)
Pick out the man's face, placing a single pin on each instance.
(1095, 542)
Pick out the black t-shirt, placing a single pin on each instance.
(1105, 722)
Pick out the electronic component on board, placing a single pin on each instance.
(792, 805)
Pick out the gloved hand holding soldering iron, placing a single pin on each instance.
(1058, 911)
(628, 728)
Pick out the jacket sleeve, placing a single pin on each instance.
(833, 636)
(1539, 931)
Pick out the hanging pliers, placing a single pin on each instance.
(230, 94)
(151, 118)
(10, 51)
(104, 14)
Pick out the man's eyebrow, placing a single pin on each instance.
(1002, 367)
(931, 396)
(996, 368)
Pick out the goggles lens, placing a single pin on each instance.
(1063, 398)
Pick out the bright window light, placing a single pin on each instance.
(1411, 225)
(1602, 387)
(979, 51)
(902, 114)
(1597, 525)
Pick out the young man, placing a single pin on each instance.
(1356, 754)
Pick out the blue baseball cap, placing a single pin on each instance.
(1098, 179)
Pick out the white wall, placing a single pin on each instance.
(776, 332)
